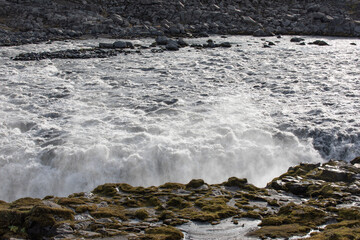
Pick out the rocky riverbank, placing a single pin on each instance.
(319, 198)
(31, 21)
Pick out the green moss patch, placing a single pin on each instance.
(173, 186)
(290, 220)
(163, 233)
(178, 202)
(195, 183)
(111, 211)
(141, 214)
(282, 231)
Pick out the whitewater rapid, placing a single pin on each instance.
(145, 119)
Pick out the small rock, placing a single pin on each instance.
(319, 43)
(225, 44)
(106, 45)
(203, 34)
(353, 44)
(296, 39)
(129, 45)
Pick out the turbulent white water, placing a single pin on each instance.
(69, 125)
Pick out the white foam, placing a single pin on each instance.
(70, 125)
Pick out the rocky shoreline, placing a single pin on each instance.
(32, 21)
(320, 199)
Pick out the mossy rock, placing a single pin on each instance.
(216, 205)
(108, 189)
(195, 183)
(70, 201)
(323, 191)
(151, 201)
(166, 214)
(251, 214)
(4, 205)
(11, 217)
(42, 218)
(85, 208)
(173, 186)
(136, 190)
(132, 203)
(25, 204)
(293, 219)
(282, 231)
(111, 211)
(47, 216)
(235, 182)
(141, 214)
(163, 233)
(338, 231)
(352, 213)
(178, 202)
(302, 214)
(273, 202)
(253, 196)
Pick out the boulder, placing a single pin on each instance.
(260, 33)
(162, 40)
(296, 39)
(106, 45)
(195, 183)
(225, 44)
(120, 44)
(319, 43)
(172, 45)
(182, 43)
(355, 160)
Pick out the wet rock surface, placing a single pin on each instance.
(322, 198)
(105, 50)
(34, 21)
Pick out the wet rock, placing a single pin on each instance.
(172, 45)
(120, 44)
(319, 43)
(260, 33)
(225, 44)
(181, 42)
(89, 234)
(355, 161)
(162, 40)
(296, 39)
(63, 229)
(195, 183)
(106, 45)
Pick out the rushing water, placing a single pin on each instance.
(145, 119)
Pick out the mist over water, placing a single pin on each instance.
(69, 125)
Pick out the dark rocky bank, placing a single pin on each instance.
(31, 21)
(321, 197)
